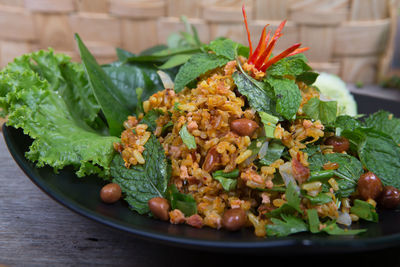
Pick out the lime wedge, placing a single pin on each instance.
(334, 88)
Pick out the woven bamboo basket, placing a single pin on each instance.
(350, 38)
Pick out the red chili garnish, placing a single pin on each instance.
(261, 56)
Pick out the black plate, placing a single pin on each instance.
(82, 196)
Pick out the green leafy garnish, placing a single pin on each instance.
(320, 199)
(232, 174)
(288, 96)
(292, 205)
(227, 183)
(287, 226)
(106, 93)
(308, 77)
(197, 65)
(325, 111)
(50, 98)
(274, 152)
(346, 122)
(290, 66)
(269, 122)
(385, 122)
(313, 220)
(150, 119)
(184, 202)
(364, 210)
(187, 138)
(140, 182)
(378, 152)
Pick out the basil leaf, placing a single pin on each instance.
(197, 65)
(325, 111)
(140, 183)
(183, 202)
(288, 96)
(187, 138)
(364, 210)
(110, 99)
(287, 226)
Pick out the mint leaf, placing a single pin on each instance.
(175, 60)
(288, 96)
(140, 183)
(325, 111)
(274, 152)
(290, 66)
(48, 96)
(378, 152)
(224, 47)
(183, 202)
(364, 210)
(287, 226)
(385, 122)
(227, 183)
(187, 138)
(259, 94)
(197, 65)
(308, 77)
(108, 96)
(346, 122)
(150, 119)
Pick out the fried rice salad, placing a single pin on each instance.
(216, 135)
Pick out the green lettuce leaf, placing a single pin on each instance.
(197, 65)
(140, 183)
(44, 107)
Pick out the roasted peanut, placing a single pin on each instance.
(389, 198)
(110, 193)
(159, 206)
(369, 186)
(234, 219)
(244, 127)
(339, 143)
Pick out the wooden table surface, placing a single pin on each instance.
(37, 231)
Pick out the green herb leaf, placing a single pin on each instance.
(150, 119)
(167, 127)
(232, 174)
(227, 183)
(349, 171)
(378, 152)
(320, 199)
(333, 229)
(293, 197)
(183, 202)
(325, 111)
(308, 77)
(139, 107)
(110, 99)
(288, 96)
(197, 65)
(224, 47)
(187, 138)
(274, 152)
(385, 122)
(290, 66)
(313, 220)
(287, 226)
(364, 210)
(123, 54)
(345, 122)
(140, 183)
(175, 60)
(259, 94)
(269, 122)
